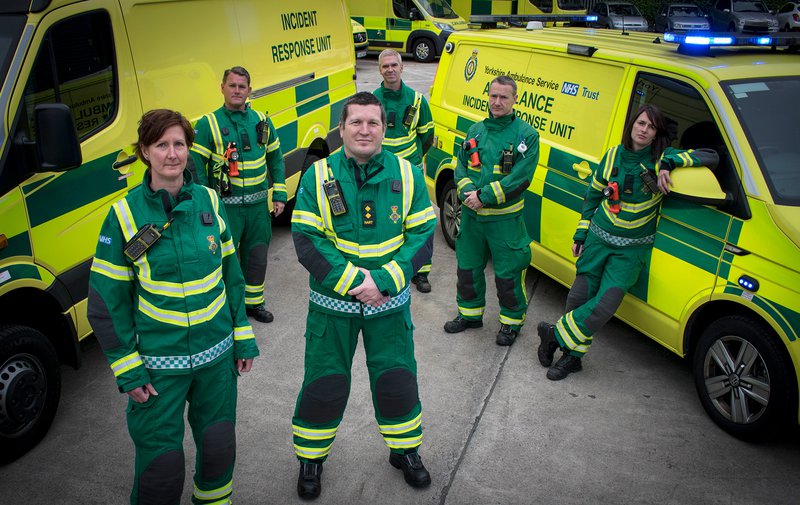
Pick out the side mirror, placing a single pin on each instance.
(698, 185)
(57, 146)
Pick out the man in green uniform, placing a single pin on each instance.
(236, 126)
(495, 167)
(409, 127)
(361, 226)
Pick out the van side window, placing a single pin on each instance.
(401, 8)
(543, 5)
(75, 66)
(692, 126)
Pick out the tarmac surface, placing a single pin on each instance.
(628, 429)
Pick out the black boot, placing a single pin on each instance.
(260, 314)
(414, 471)
(460, 324)
(309, 483)
(422, 283)
(565, 365)
(547, 348)
(506, 336)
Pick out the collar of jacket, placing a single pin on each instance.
(372, 171)
(161, 198)
(644, 155)
(236, 114)
(499, 123)
(390, 93)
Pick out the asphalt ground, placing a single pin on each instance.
(628, 429)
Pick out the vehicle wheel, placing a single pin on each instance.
(450, 213)
(30, 387)
(424, 51)
(285, 219)
(744, 382)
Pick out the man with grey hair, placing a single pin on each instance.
(495, 167)
(409, 127)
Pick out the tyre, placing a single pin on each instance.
(450, 213)
(423, 50)
(30, 388)
(285, 219)
(743, 380)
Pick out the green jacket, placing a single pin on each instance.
(639, 207)
(180, 305)
(388, 221)
(214, 131)
(502, 193)
(409, 142)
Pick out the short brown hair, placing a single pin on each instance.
(662, 138)
(153, 125)
(238, 71)
(362, 98)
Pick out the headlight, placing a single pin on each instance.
(444, 27)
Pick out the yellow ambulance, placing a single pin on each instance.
(419, 27)
(722, 287)
(468, 8)
(77, 76)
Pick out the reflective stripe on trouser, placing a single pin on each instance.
(603, 275)
(157, 430)
(330, 344)
(251, 229)
(508, 244)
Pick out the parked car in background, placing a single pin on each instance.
(789, 17)
(750, 16)
(682, 17)
(619, 16)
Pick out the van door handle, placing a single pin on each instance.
(583, 169)
(123, 159)
(738, 251)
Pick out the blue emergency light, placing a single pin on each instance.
(698, 40)
(748, 283)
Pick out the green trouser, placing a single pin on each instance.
(251, 229)
(509, 246)
(156, 427)
(604, 273)
(330, 343)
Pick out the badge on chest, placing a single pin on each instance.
(368, 214)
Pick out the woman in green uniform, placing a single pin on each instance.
(166, 302)
(615, 234)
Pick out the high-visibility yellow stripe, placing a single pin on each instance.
(216, 134)
(313, 434)
(126, 363)
(112, 271)
(312, 452)
(182, 319)
(511, 321)
(396, 274)
(639, 207)
(462, 183)
(307, 218)
(484, 211)
(471, 312)
(403, 443)
(499, 194)
(243, 333)
(407, 178)
(622, 223)
(347, 279)
(228, 248)
(125, 218)
(419, 218)
(242, 182)
(396, 429)
(182, 289)
(212, 494)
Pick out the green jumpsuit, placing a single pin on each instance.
(247, 207)
(615, 246)
(385, 230)
(498, 228)
(174, 318)
(410, 142)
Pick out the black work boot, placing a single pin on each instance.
(565, 365)
(260, 314)
(460, 324)
(506, 336)
(309, 483)
(547, 348)
(414, 471)
(421, 282)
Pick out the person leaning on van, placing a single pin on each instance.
(409, 127)
(495, 167)
(166, 302)
(234, 146)
(615, 234)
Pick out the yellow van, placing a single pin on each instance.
(469, 8)
(77, 76)
(722, 287)
(419, 27)
(360, 42)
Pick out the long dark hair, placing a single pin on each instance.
(662, 138)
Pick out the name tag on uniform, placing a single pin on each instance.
(368, 214)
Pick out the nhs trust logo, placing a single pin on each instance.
(570, 88)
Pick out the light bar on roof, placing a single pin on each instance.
(706, 39)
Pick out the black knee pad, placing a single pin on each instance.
(324, 399)
(578, 293)
(396, 393)
(161, 483)
(219, 450)
(256, 264)
(465, 284)
(505, 293)
(608, 304)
